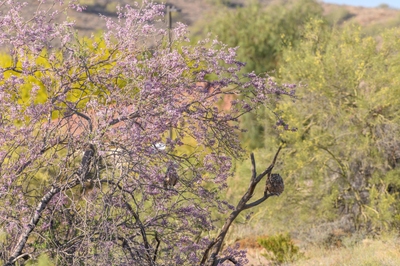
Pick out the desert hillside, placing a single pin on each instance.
(192, 11)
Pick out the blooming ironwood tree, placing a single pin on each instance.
(89, 128)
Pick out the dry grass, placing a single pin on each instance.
(369, 252)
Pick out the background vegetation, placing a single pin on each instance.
(262, 35)
(341, 167)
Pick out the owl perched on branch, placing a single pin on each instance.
(274, 185)
(87, 163)
(171, 176)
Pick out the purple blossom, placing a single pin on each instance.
(81, 159)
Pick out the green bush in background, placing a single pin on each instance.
(262, 34)
(341, 168)
(281, 248)
(345, 157)
(259, 32)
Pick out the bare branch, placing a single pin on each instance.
(124, 118)
(269, 169)
(222, 260)
(158, 245)
(24, 256)
(253, 167)
(15, 254)
(257, 202)
(142, 231)
(215, 246)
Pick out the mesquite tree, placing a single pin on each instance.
(113, 150)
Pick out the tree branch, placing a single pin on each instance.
(158, 245)
(222, 260)
(253, 167)
(125, 244)
(23, 238)
(124, 118)
(257, 202)
(215, 246)
(142, 231)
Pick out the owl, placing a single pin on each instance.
(274, 185)
(171, 176)
(87, 163)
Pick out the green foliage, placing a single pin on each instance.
(339, 15)
(346, 154)
(3, 236)
(261, 33)
(30, 82)
(375, 29)
(33, 91)
(383, 5)
(42, 260)
(281, 248)
(254, 130)
(342, 167)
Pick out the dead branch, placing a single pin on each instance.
(210, 257)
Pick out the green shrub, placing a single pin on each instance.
(281, 248)
(345, 156)
(339, 15)
(262, 34)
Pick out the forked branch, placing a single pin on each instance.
(210, 257)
